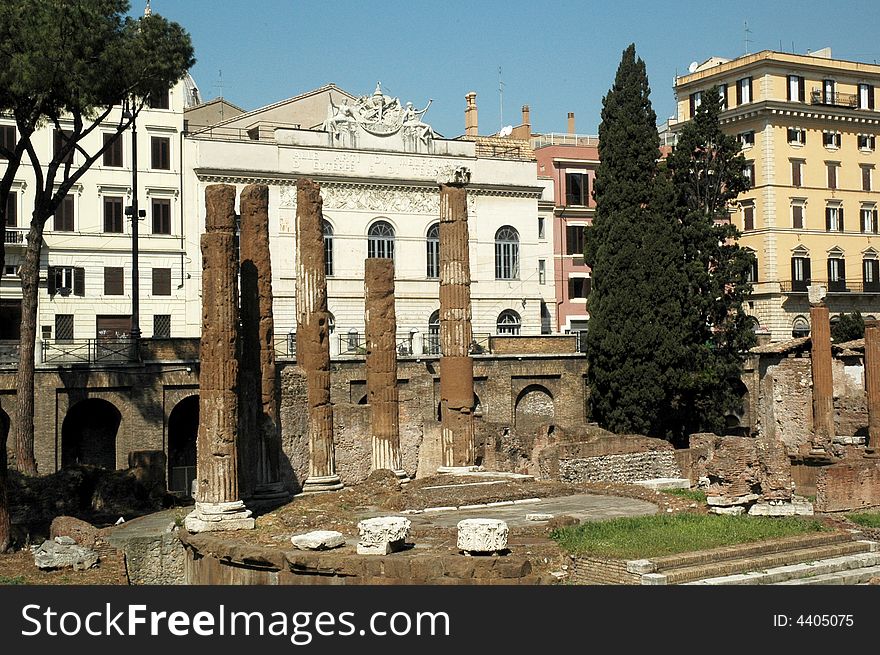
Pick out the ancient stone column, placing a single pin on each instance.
(456, 365)
(260, 438)
(872, 382)
(823, 392)
(382, 393)
(218, 505)
(313, 336)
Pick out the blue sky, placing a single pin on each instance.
(555, 56)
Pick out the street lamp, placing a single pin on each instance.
(135, 214)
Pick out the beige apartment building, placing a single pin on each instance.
(808, 128)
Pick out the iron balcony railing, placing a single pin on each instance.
(86, 351)
(835, 98)
(838, 286)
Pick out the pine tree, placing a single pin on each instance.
(848, 328)
(706, 173)
(634, 342)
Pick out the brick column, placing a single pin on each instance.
(382, 392)
(823, 392)
(258, 388)
(313, 336)
(872, 382)
(456, 365)
(218, 505)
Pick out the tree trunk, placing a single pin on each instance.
(24, 378)
(5, 523)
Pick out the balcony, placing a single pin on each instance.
(15, 237)
(86, 351)
(841, 286)
(835, 99)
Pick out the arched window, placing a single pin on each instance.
(380, 240)
(508, 322)
(432, 347)
(433, 251)
(800, 327)
(328, 248)
(506, 254)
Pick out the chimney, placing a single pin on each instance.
(571, 122)
(470, 115)
(525, 117)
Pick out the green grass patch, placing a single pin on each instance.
(691, 494)
(662, 534)
(5, 579)
(866, 519)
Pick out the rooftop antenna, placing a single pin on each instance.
(501, 96)
(219, 84)
(746, 38)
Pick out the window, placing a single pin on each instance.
(64, 215)
(113, 153)
(752, 272)
(696, 99)
(161, 326)
(542, 271)
(12, 210)
(328, 247)
(866, 96)
(800, 272)
(836, 273)
(797, 215)
(574, 239)
(60, 141)
(797, 136)
(832, 174)
(797, 169)
(749, 172)
(866, 142)
(800, 327)
(508, 322)
(834, 218)
(158, 99)
(830, 139)
(161, 215)
(64, 279)
(114, 281)
(113, 214)
(380, 240)
(160, 156)
(744, 91)
(746, 139)
(432, 246)
(828, 92)
(506, 254)
(868, 219)
(161, 281)
(796, 88)
(7, 137)
(722, 96)
(432, 347)
(748, 217)
(11, 270)
(576, 188)
(578, 288)
(541, 232)
(866, 177)
(871, 273)
(64, 327)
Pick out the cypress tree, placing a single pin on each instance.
(706, 173)
(634, 344)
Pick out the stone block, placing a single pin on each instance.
(640, 566)
(482, 536)
(735, 510)
(538, 516)
(63, 552)
(798, 507)
(729, 501)
(318, 540)
(665, 483)
(382, 535)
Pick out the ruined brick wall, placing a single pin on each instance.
(627, 468)
(850, 485)
(597, 570)
(546, 345)
(169, 350)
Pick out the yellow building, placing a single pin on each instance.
(808, 126)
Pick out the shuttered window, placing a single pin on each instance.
(114, 281)
(161, 281)
(160, 158)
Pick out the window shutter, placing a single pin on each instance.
(871, 97)
(803, 137)
(693, 105)
(788, 89)
(840, 215)
(161, 281)
(751, 95)
(114, 281)
(801, 89)
(830, 277)
(828, 219)
(726, 100)
(807, 274)
(739, 93)
(79, 281)
(50, 281)
(862, 221)
(842, 270)
(793, 269)
(875, 269)
(874, 223)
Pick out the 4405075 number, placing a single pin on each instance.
(814, 620)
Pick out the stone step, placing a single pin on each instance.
(764, 562)
(740, 551)
(851, 577)
(803, 571)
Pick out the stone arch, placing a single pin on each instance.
(737, 421)
(183, 428)
(89, 434)
(534, 407)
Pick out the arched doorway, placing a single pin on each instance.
(534, 407)
(88, 434)
(183, 429)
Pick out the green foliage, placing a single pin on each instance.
(691, 494)
(14, 580)
(849, 327)
(634, 339)
(866, 519)
(665, 534)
